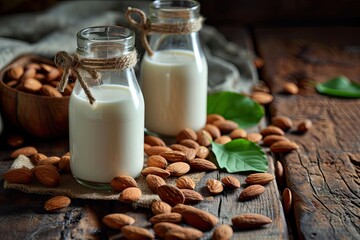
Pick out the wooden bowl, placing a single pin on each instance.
(40, 116)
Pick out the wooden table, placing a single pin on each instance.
(323, 174)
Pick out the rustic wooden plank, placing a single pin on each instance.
(324, 173)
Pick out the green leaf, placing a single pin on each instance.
(236, 107)
(240, 155)
(339, 86)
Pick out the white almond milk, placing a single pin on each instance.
(174, 86)
(114, 118)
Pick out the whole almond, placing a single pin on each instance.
(27, 151)
(133, 232)
(15, 72)
(304, 125)
(121, 182)
(28, 73)
(156, 161)
(162, 228)
(53, 75)
(200, 164)
(146, 146)
(226, 126)
(15, 140)
(251, 192)
(214, 117)
(171, 217)
(189, 143)
(64, 163)
(191, 196)
(230, 182)
(262, 97)
(41, 77)
(261, 87)
(259, 178)
(186, 233)
(158, 207)
(250, 221)
(18, 175)
(199, 219)
(272, 130)
(290, 88)
(130, 195)
(56, 203)
(238, 133)
(47, 175)
(190, 153)
(270, 139)
(287, 200)
(214, 186)
(204, 138)
(31, 85)
(186, 133)
(170, 194)
(52, 160)
(156, 150)
(178, 168)
(213, 130)
(279, 173)
(283, 122)
(180, 208)
(283, 147)
(36, 158)
(174, 156)
(222, 232)
(50, 91)
(154, 182)
(154, 141)
(185, 182)
(223, 139)
(117, 220)
(254, 137)
(46, 67)
(202, 152)
(33, 65)
(155, 171)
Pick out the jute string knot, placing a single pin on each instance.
(79, 67)
(146, 27)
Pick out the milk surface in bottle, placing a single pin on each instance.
(174, 78)
(106, 137)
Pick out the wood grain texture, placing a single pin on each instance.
(323, 174)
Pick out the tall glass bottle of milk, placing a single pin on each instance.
(174, 78)
(106, 137)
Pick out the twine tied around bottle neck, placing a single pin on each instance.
(79, 67)
(145, 26)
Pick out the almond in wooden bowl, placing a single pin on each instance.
(29, 100)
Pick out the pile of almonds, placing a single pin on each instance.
(37, 78)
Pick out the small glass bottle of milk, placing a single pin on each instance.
(174, 78)
(106, 137)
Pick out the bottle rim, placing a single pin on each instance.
(174, 9)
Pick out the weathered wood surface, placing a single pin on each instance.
(323, 174)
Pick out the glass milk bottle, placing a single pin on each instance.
(106, 137)
(174, 78)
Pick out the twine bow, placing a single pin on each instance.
(74, 65)
(145, 26)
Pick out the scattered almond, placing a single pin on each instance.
(31, 85)
(154, 141)
(27, 151)
(224, 139)
(259, 178)
(178, 169)
(272, 130)
(64, 163)
(50, 91)
(180, 208)
(250, 221)
(36, 158)
(159, 207)
(214, 186)
(190, 143)
(186, 133)
(183, 234)
(191, 196)
(171, 217)
(174, 156)
(157, 161)
(18, 175)
(254, 137)
(185, 182)
(222, 232)
(117, 220)
(283, 147)
(190, 153)
(283, 122)
(162, 228)
(133, 232)
(56, 203)
(279, 173)
(156, 150)
(251, 192)
(261, 86)
(130, 195)
(155, 171)
(238, 133)
(290, 88)
(213, 130)
(304, 125)
(121, 182)
(199, 219)
(53, 160)
(47, 175)
(202, 152)
(154, 182)
(200, 164)
(214, 117)
(287, 200)
(226, 126)
(204, 138)
(262, 97)
(270, 139)
(230, 182)
(170, 194)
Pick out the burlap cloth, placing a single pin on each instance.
(70, 187)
